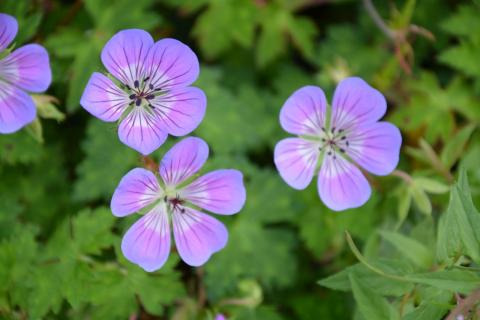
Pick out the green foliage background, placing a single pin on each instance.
(412, 252)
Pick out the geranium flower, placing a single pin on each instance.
(149, 89)
(173, 198)
(351, 136)
(26, 69)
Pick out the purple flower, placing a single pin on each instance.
(173, 197)
(220, 316)
(150, 92)
(26, 69)
(351, 135)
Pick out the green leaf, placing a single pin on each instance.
(413, 250)
(431, 185)
(456, 146)
(378, 283)
(106, 161)
(371, 305)
(461, 226)
(454, 280)
(421, 199)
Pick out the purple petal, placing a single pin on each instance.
(376, 147)
(147, 242)
(103, 99)
(356, 102)
(141, 130)
(197, 236)
(8, 30)
(137, 189)
(17, 108)
(125, 55)
(220, 191)
(341, 185)
(296, 160)
(171, 64)
(304, 111)
(183, 160)
(180, 110)
(28, 67)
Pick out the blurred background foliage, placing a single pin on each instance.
(419, 236)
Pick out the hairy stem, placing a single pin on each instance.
(465, 305)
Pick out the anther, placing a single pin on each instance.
(136, 83)
(342, 150)
(346, 142)
(323, 140)
(138, 102)
(150, 86)
(329, 153)
(182, 210)
(146, 79)
(341, 130)
(132, 96)
(151, 106)
(150, 97)
(128, 87)
(158, 89)
(333, 129)
(165, 199)
(344, 137)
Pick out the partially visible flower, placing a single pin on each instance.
(353, 134)
(149, 91)
(26, 69)
(173, 197)
(220, 317)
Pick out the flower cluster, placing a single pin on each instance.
(26, 69)
(327, 144)
(148, 90)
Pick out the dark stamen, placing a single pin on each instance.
(341, 130)
(151, 106)
(344, 137)
(158, 89)
(146, 79)
(128, 87)
(323, 129)
(323, 140)
(136, 83)
(132, 96)
(150, 97)
(333, 130)
(150, 86)
(165, 199)
(342, 150)
(329, 153)
(347, 143)
(131, 103)
(138, 102)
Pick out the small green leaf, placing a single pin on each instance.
(455, 146)
(410, 248)
(431, 185)
(421, 199)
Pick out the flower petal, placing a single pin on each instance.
(137, 189)
(141, 131)
(147, 242)
(171, 64)
(304, 111)
(17, 108)
(341, 184)
(183, 160)
(103, 99)
(197, 236)
(8, 30)
(356, 102)
(376, 148)
(220, 191)
(28, 67)
(180, 110)
(125, 55)
(296, 160)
